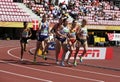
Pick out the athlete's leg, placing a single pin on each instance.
(57, 49)
(22, 51)
(45, 45)
(24, 47)
(85, 47)
(38, 44)
(70, 49)
(77, 51)
(65, 49)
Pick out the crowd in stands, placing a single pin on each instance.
(93, 10)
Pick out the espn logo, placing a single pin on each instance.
(94, 53)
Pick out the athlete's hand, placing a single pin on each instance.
(63, 36)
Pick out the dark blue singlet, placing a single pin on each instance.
(43, 34)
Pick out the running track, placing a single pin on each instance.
(13, 70)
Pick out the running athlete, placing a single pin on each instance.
(82, 35)
(72, 40)
(62, 34)
(25, 34)
(57, 41)
(42, 37)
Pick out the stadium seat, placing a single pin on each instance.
(9, 11)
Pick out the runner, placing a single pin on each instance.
(57, 41)
(25, 34)
(82, 35)
(62, 33)
(72, 40)
(42, 37)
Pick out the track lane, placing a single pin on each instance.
(74, 71)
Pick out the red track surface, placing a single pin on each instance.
(13, 70)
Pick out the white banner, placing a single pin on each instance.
(114, 36)
(94, 53)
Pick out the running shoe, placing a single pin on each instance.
(68, 63)
(75, 63)
(34, 61)
(81, 60)
(21, 59)
(44, 57)
(62, 64)
(57, 63)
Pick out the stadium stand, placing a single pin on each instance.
(10, 12)
(97, 13)
(100, 14)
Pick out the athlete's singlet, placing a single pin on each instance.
(44, 29)
(64, 30)
(43, 33)
(84, 32)
(25, 33)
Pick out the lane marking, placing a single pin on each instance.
(92, 72)
(50, 72)
(86, 71)
(12, 54)
(16, 74)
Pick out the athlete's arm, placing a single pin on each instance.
(58, 32)
(49, 29)
(21, 33)
(30, 33)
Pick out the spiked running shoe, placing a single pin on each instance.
(75, 63)
(44, 57)
(68, 63)
(81, 60)
(34, 61)
(57, 62)
(62, 64)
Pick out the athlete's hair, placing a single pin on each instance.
(84, 20)
(65, 19)
(45, 16)
(74, 21)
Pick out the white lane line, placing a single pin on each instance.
(92, 72)
(16, 74)
(23, 75)
(86, 71)
(90, 79)
(50, 72)
(12, 54)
